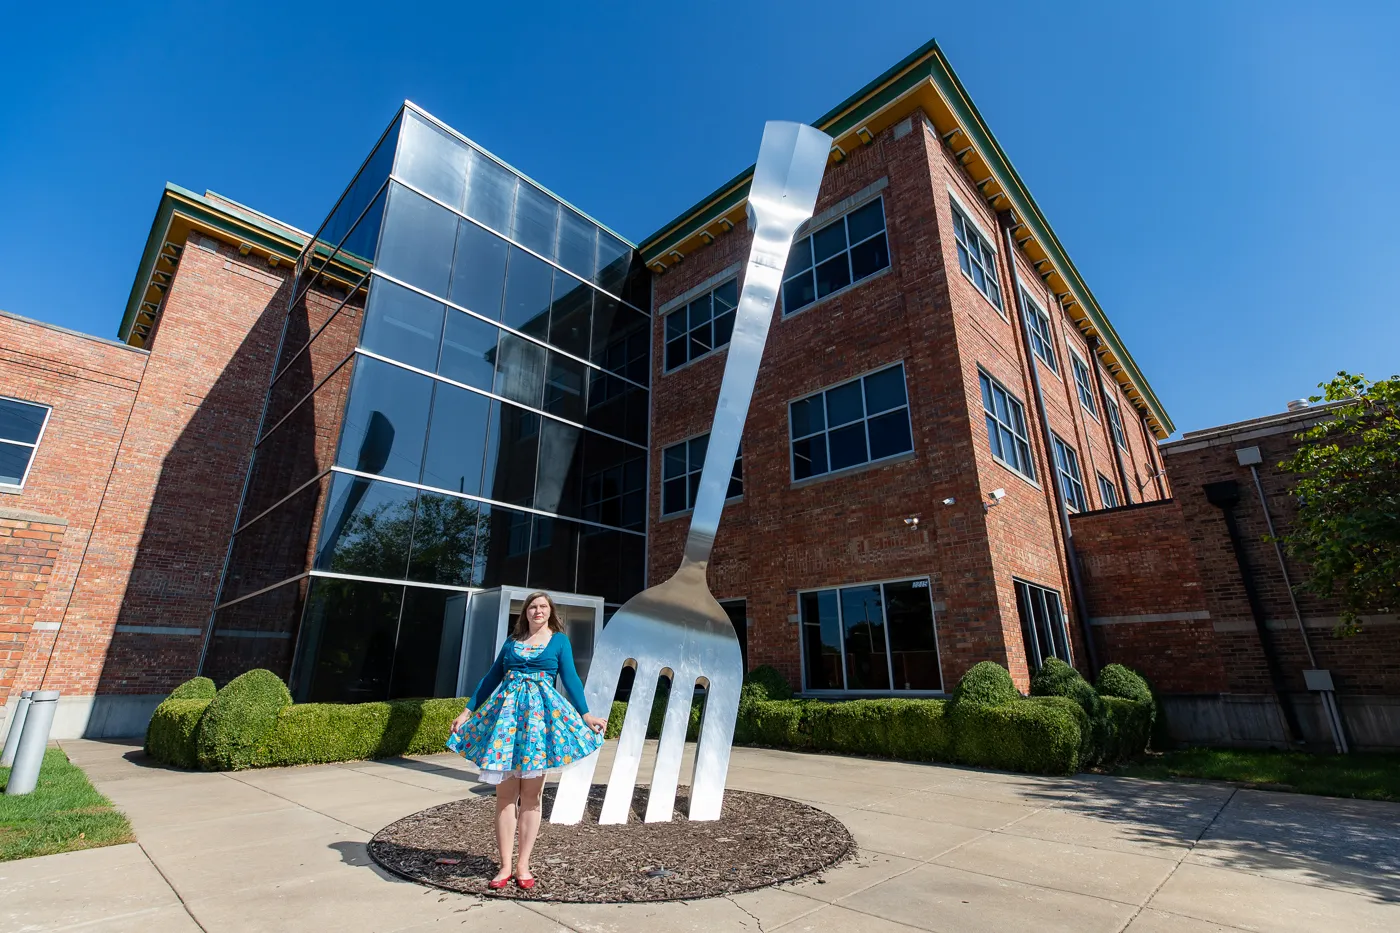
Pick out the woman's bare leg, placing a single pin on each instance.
(507, 797)
(530, 791)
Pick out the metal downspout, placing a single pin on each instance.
(1225, 496)
(1081, 609)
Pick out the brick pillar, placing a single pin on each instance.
(29, 546)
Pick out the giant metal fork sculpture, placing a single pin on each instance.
(677, 625)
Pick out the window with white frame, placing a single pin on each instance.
(1006, 426)
(1038, 322)
(1067, 469)
(975, 255)
(860, 421)
(841, 253)
(21, 428)
(1083, 383)
(1042, 623)
(1115, 422)
(876, 637)
(702, 325)
(1108, 492)
(681, 465)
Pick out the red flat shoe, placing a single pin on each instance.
(498, 883)
(525, 884)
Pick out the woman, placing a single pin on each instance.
(526, 728)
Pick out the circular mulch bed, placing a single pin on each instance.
(756, 842)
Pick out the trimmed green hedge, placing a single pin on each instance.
(252, 722)
(238, 724)
(171, 735)
(196, 688)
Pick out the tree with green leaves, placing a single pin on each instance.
(1348, 493)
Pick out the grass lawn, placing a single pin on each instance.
(63, 813)
(1365, 775)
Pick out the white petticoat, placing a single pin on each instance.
(497, 777)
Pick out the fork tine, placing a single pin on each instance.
(571, 796)
(623, 780)
(716, 739)
(662, 800)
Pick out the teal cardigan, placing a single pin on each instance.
(556, 658)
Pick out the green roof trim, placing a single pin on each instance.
(240, 224)
(924, 64)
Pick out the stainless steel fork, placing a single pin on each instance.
(677, 626)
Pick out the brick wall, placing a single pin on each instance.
(29, 548)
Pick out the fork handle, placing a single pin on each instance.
(787, 176)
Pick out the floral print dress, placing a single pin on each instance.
(525, 728)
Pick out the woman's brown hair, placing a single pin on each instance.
(521, 629)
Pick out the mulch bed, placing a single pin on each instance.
(757, 841)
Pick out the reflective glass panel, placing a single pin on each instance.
(361, 191)
(257, 632)
(444, 539)
(357, 252)
(276, 546)
(611, 564)
(21, 421)
(821, 640)
(14, 460)
(418, 242)
(571, 315)
(614, 263)
(346, 651)
(403, 325)
(505, 557)
(616, 407)
(565, 383)
(367, 528)
(469, 350)
(863, 618)
(535, 220)
(553, 554)
(529, 280)
(913, 646)
(429, 647)
(433, 161)
(456, 440)
(578, 239)
(512, 454)
(385, 420)
(479, 270)
(520, 370)
(558, 485)
(490, 192)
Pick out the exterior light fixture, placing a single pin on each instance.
(913, 522)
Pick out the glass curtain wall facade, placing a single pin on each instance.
(460, 402)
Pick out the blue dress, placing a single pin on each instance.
(521, 726)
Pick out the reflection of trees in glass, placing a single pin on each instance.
(442, 534)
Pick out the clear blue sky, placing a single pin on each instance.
(1224, 175)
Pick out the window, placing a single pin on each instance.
(1108, 492)
(701, 326)
(874, 637)
(1082, 383)
(1067, 468)
(1115, 422)
(21, 427)
(856, 422)
(680, 474)
(1038, 322)
(975, 256)
(1042, 624)
(848, 249)
(1006, 426)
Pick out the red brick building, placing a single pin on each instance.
(1192, 593)
(940, 392)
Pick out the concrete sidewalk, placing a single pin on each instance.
(942, 849)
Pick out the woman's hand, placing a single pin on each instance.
(461, 720)
(594, 723)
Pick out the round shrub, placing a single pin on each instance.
(196, 688)
(987, 683)
(237, 725)
(766, 683)
(1057, 679)
(170, 737)
(1115, 680)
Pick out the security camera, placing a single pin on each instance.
(949, 501)
(997, 494)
